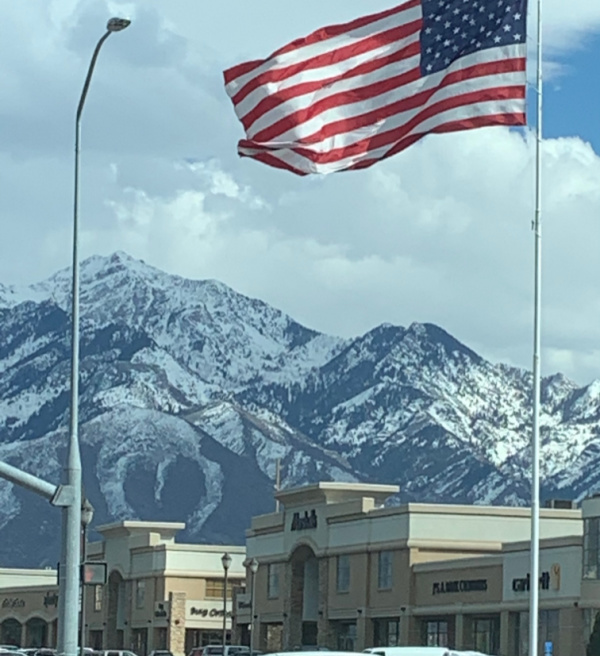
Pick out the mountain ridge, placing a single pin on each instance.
(190, 393)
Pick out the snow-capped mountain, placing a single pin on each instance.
(191, 392)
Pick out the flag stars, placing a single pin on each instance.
(459, 28)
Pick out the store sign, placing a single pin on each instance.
(50, 599)
(547, 581)
(472, 585)
(300, 523)
(208, 612)
(13, 602)
(160, 609)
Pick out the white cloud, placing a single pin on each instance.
(440, 233)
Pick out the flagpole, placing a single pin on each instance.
(537, 341)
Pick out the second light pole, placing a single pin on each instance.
(226, 561)
(87, 514)
(253, 569)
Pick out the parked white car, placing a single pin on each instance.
(419, 651)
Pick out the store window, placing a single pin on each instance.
(273, 581)
(548, 631)
(96, 639)
(384, 572)
(160, 638)
(437, 633)
(140, 594)
(36, 632)
(346, 636)
(10, 632)
(139, 641)
(343, 574)
(98, 593)
(591, 548)
(214, 588)
(386, 632)
(486, 634)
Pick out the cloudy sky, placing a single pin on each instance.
(440, 233)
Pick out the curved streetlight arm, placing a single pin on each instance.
(88, 79)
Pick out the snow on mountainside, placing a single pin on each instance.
(190, 392)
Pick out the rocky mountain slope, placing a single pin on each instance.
(190, 393)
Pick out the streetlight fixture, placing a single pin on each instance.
(87, 514)
(253, 568)
(226, 561)
(72, 516)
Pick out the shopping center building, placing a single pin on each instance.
(337, 569)
(159, 594)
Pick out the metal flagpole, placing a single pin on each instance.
(535, 445)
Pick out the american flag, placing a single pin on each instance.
(349, 95)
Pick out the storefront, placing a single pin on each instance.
(28, 614)
(159, 594)
(561, 619)
(457, 604)
(337, 569)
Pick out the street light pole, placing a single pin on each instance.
(71, 519)
(87, 514)
(253, 569)
(226, 561)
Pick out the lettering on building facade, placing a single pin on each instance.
(50, 599)
(13, 602)
(474, 585)
(300, 523)
(548, 580)
(208, 612)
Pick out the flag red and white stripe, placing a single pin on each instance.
(350, 95)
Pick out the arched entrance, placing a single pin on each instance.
(115, 621)
(36, 632)
(11, 632)
(304, 602)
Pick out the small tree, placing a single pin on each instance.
(593, 647)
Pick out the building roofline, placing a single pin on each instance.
(134, 527)
(334, 491)
(545, 543)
